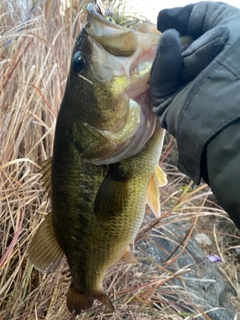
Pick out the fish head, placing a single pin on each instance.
(108, 87)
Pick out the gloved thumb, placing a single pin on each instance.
(166, 67)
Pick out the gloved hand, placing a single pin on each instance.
(196, 94)
(209, 23)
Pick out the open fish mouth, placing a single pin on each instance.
(132, 51)
(123, 57)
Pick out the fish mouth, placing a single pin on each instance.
(115, 39)
(126, 54)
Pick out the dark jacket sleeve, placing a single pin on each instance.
(221, 160)
(203, 108)
(205, 119)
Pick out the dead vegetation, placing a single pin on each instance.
(34, 59)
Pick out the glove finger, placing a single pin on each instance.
(194, 19)
(202, 51)
(175, 18)
(166, 66)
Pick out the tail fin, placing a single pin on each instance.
(102, 297)
(77, 301)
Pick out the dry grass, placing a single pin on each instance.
(33, 70)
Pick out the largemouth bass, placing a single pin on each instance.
(105, 159)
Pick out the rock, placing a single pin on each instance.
(203, 287)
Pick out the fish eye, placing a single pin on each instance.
(110, 19)
(78, 62)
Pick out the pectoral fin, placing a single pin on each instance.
(44, 251)
(113, 193)
(159, 179)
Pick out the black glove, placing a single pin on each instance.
(208, 23)
(196, 94)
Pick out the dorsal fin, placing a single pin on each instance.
(44, 251)
(46, 175)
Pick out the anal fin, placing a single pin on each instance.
(44, 251)
(161, 177)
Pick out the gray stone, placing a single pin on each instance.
(203, 286)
